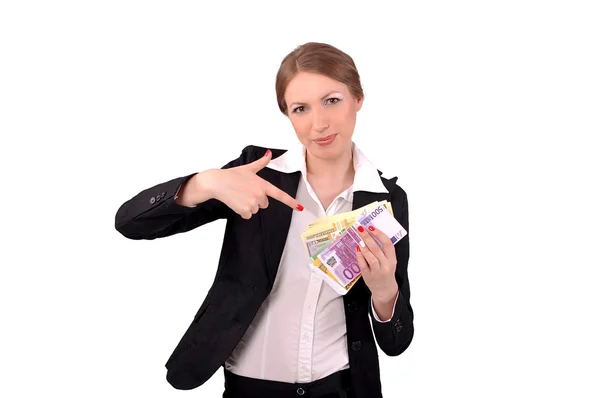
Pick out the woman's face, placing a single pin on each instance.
(323, 113)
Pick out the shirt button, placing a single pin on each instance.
(300, 391)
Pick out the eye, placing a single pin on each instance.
(332, 100)
(298, 109)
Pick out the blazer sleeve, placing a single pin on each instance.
(154, 213)
(394, 336)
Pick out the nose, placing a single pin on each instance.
(320, 123)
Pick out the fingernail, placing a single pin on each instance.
(300, 207)
(361, 229)
(357, 248)
(371, 228)
(362, 244)
(267, 153)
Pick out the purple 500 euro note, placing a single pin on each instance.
(340, 256)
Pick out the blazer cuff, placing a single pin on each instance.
(393, 309)
(176, 196)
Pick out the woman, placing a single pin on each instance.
(277, 330)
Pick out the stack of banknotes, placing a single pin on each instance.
(331, 242)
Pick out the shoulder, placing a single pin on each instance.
(398, 199)
(397, 193)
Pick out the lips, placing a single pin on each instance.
(329, 137)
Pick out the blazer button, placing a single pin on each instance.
(357, 345)
(352, 307)
(398, 325)
(152, 200)
(300, 391)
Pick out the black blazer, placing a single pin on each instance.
(246, 271)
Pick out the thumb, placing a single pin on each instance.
(261, 163)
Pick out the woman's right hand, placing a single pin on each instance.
(241, 189)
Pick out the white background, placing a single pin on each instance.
(488, 112)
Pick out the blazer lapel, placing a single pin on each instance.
(277, 218)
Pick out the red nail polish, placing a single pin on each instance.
(361, 229)
(300, 207)
(371, 228)
(267, 153)
(357, 248)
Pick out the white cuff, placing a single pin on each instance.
(393, 309)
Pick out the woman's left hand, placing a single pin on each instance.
(378, 265)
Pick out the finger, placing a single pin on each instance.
(246, 215)
(371, 244)
(261, 163)
(362, 263)
(372, 260)
(388, 247)
(276, 193)
(264, 203)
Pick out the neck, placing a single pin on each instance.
(338, 170)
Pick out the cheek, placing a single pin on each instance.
(301, 125)
(347, 119)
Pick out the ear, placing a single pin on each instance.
(359, 102)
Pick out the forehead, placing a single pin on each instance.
(306, 87)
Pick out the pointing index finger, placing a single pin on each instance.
(283, 197)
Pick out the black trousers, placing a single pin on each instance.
(337, 385)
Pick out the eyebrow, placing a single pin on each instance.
(322, 98)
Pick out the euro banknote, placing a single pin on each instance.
(336, 262)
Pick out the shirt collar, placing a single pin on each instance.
(366, 177)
